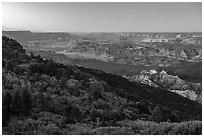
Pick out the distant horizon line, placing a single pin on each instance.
(102, 31)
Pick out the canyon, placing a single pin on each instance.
(134, 56)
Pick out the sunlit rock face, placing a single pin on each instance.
(188, 94)
(173, 83)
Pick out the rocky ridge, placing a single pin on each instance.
(173, 83)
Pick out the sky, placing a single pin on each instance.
(103, 17)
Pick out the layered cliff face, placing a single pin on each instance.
(116, 47)
(152, 55)
(173, 83)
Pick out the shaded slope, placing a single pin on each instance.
(190, 71)
(137, 92)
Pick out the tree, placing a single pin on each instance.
(72, 113)
(63, 82)
(18, 105)
(19, 70)
(6, 108)
(40, 101)
(3, 63)
(41, 68)
(32, 68)
(38, 59)
(27, 100)
(50, 68)
(96, 89)
(157, 114)
(9, 66)
(59, 73)
(31, 55)
(67, 72)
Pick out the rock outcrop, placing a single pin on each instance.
(173, 83)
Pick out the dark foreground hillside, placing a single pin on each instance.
(44, 97)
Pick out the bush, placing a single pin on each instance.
(188, 128)
(163, 128)
(23, 127)
(112, 131)
(52, 129)
(78, 129)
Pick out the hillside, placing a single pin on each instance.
(189, 71)
(41, 96)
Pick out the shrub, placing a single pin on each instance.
(187, 128)
(163, 128)
(78, 129)
(112, 131)
(52, 129)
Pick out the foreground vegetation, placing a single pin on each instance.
(44, 97)
(46, 125)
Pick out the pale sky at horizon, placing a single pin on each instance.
(103, 17)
